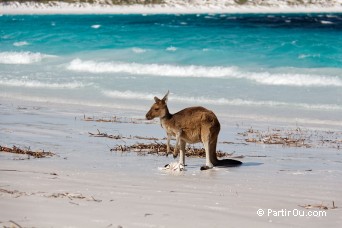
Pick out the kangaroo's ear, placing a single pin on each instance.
(166, 96)
(156, 99)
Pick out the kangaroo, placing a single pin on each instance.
(190, 125)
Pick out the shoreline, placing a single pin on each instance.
(228, 119)
(64, 8)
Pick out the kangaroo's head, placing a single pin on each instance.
(158, 109)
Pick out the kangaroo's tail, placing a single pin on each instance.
(228, 163)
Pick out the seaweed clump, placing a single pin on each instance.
(35, 154)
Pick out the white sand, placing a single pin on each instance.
(174, 7)
(94, 187)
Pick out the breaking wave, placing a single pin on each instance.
(22, 57)
(130, 95)
(37, 84)
(266, 78)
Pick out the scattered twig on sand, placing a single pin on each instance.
(117, 119)
(105, 135)
(11, 224)
(161, 149)
(110, 119)
(101, 134)
(146, 138)
(319, 206)
(35, 154)
(15, 223)
(14, 193)
(73, 196)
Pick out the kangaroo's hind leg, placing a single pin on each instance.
(182, 152)
(208, 163)
(168, 151)
(177, 145)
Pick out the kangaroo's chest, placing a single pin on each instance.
(168, 129)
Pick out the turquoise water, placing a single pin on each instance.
(282, 66)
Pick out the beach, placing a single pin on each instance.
(76, 88)
(87, 185)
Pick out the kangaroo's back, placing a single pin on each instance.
(197, 123)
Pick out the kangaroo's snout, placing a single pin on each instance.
(148, 115)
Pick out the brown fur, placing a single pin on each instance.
(190, 125)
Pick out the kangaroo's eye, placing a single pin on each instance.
(156, 109)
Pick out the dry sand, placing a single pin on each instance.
(87, 185)
(172, 7)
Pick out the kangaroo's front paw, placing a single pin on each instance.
(175, 153)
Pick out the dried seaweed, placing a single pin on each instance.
(160, 149)
(101, 134)
(106, 120)
(116, 119)
(73, 196)
(274, 137)
(105, 135)
(151, 148)
(297, 137)
(11, 224)
(35, 154)
(14, 193)
(319, 206)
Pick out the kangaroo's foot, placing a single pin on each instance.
(205, 167)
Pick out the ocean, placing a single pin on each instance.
(269, 67)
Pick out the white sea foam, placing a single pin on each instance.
(38, 84)
(96, 26)
(266, 78)
(150, 69)
(304, 56)
(21, 43)
(130, 95)
(299, 80)
(171, 48)
(327, 22)
(22, 57)
(138, 50)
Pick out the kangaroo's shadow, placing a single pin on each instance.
(242, 164)
(251, 164)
